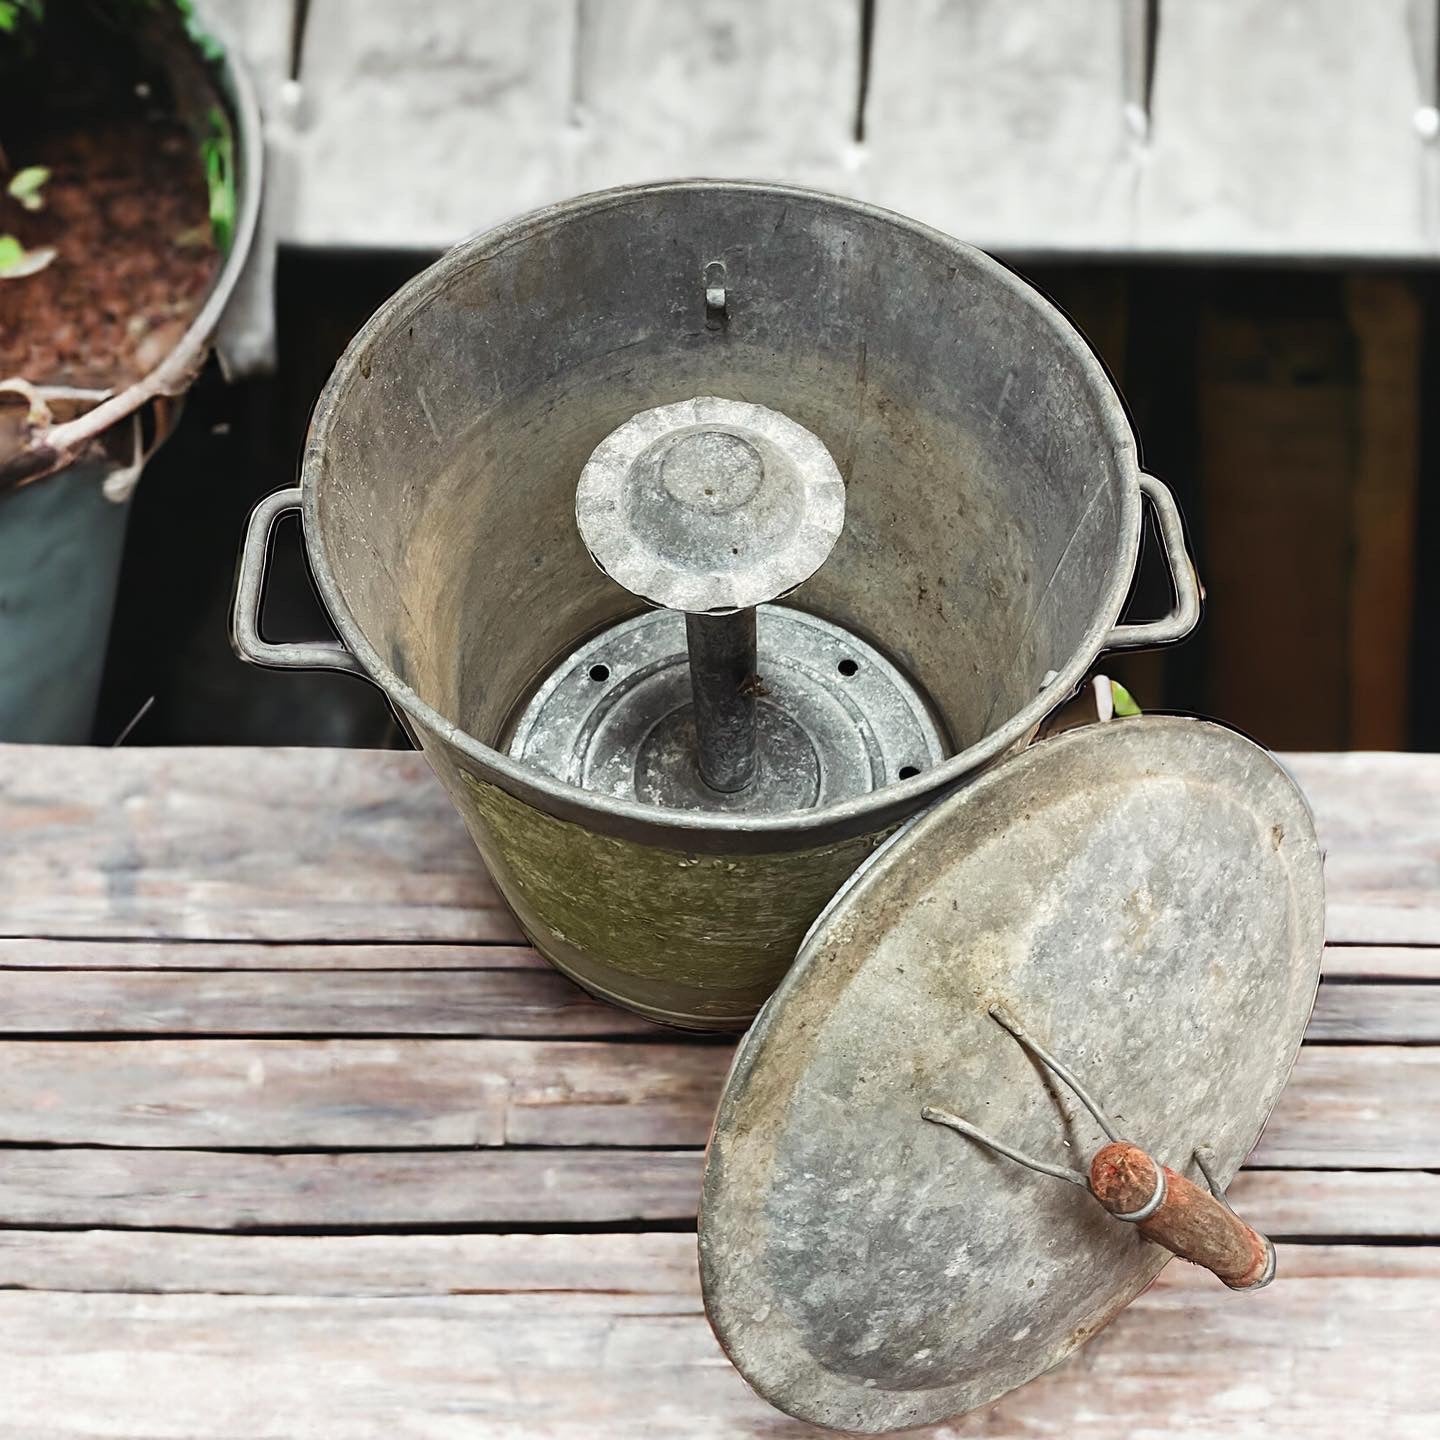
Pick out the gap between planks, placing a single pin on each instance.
(511, 1002)
(1340, 960)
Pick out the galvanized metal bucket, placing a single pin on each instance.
(994, 507)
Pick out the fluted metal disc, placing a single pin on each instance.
(710, 505)
(1145, 897)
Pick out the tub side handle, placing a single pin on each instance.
(250, 593)
(1186, 614)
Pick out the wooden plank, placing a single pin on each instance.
(723, 88)
(220, 1191)
(360, 1094)
(88, 954)
(207, 1190)
(357, 846)
(1280, 127)
(150, 1263)
(1382, 962)
(1386, 315)
(1347, 1105)
(1378, 815)
(1002, 123)
(236, 845)
(1186, 1358)
(646, 1264)
(1287, 127)
(422, 124)
(506, 1003)
(1357, 1106)
(1400, 1014)
(1330, 1204)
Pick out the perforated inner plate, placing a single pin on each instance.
(835, 718)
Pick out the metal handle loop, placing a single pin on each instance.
(1186, 614)
(250, 592)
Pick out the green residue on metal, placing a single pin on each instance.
(694, 935)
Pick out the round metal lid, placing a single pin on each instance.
(710, 505)
(1145, 898)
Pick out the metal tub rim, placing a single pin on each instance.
(704, 831)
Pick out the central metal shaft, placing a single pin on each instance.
(724, 680)
(715, 474)
(713, 507)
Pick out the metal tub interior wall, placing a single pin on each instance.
(992, 524)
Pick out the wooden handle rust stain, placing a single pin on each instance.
(1189, 1221)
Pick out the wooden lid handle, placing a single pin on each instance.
(1187, 1220)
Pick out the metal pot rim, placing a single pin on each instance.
(653, 823)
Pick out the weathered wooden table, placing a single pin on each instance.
(301, 1140)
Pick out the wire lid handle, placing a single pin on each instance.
(1167, 1208)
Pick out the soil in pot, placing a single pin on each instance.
(117, 157)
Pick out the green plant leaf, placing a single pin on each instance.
(12, 12)
(16, 261)
(27, 185)
(200, 38)
(1124, 700)
(217, 152)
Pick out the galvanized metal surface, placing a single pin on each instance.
(615, 717)
(692, 939)
(723, 748)
(948, 381)
(245, 635)
(710, 505)
(993, 501)
(713, 507)
(1148, 895)
(1195, 1223)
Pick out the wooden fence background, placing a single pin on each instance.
(1215, 127)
